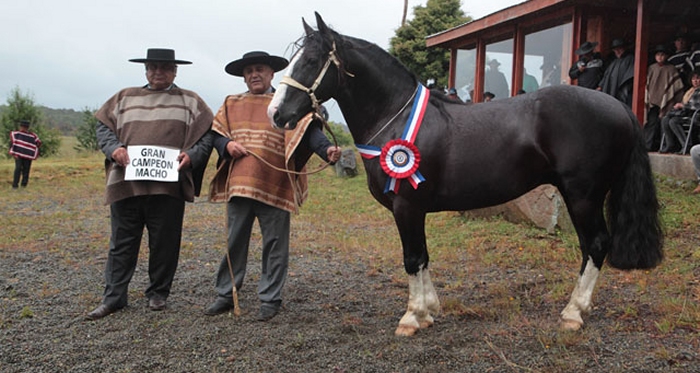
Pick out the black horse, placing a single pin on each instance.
(462, 157)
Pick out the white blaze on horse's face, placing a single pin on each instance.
(281, 91)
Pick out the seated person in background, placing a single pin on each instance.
(672, 123)
(695, 156)
(488, 96)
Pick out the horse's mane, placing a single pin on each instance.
(316, 45)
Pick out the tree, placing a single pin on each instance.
(340, 134)
(21, 107)
(86, 134)
(408, 45)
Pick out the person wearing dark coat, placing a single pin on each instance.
(165, 119)
(588, 70)
(495, 81)
(619, 75)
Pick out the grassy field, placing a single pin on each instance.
(59, 211)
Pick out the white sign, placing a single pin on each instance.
(154, 163)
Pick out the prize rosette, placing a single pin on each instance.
(399, 158)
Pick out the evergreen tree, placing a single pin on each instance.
(409, 43)
(21, 107)
(86, 134)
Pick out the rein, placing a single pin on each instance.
(410, 99)
(325, 164)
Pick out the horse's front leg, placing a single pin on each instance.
(422, 298)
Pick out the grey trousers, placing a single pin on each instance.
(162, 215)
(274, 225)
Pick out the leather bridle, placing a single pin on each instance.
(311, 91)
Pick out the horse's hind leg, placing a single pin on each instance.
(594, 243)
(422, 298)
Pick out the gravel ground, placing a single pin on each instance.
(338, 316)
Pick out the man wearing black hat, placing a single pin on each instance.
(251, 180)
(157, 144)
(588, 70)
(495, 81)
(618, 78)
(24, 147)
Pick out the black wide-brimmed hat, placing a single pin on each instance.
(586, 48)
(24, 123)
(618, 43)
(256, 57)
(160, 55)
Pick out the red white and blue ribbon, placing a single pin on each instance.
(400, 158)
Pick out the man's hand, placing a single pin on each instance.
(236, 150)
(120, 156)
(185, 161)
(333, 153)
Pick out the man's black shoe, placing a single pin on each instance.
(220, 306)
(268, 311)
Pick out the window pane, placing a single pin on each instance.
(548, 56)
(464, 73)
(499, 68)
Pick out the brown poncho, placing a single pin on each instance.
(175, 118)
(243, 118)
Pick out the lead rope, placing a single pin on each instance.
(327, 127)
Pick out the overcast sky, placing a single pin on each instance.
(72, 54)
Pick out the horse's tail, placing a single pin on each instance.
(633, 212)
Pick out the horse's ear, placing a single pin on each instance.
(307, 29)
(320, 24)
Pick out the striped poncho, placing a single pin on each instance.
(175, 118)
(24, 145)
(243, 118)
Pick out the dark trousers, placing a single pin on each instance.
(22, 166)
(652, 129)
(162, 215)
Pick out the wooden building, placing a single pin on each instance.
(537, 39)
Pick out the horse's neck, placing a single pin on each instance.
(376, 94)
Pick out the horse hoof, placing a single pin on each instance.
(425, 324)
(571, 325)
(406, 331)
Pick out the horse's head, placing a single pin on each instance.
(310, 79)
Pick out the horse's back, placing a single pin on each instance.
(501, 149)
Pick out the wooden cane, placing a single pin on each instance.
(234, 293)
(236, 309)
